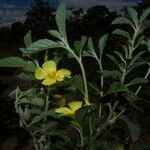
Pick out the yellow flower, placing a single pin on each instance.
(69, 111)
(49, 73)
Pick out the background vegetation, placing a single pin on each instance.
(39, 19)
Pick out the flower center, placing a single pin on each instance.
(52, 75)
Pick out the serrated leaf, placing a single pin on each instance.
(28, 39)
(137, 81)
(123, 20)
(41, 45)
(115, 74)
(102, 44)
(145, 14)
(17, 63)
(134, 128)
(122, 33)
(61, 19)
(49, 113)
(55, 33)
(117, 87)
(133, 15)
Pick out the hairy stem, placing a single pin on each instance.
(107, 120)
(146, 76)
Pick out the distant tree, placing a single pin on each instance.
(41, 17)
(97, 20)
(78, 12)
(17, 32)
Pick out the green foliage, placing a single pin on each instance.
(61, 19)
(40, 45)
(17, 62)
(81, 127)
(117, 87)
(134, 128)
(28, 39)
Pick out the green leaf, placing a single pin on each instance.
(115, 74)
(122, 33)
(26, 76)
(90, 44)
(119, 54)
(135, 65)
(17, 62)
(78, 83)
(94, 86)
(123, 20)
(83, 41)
(35, 101)
(137, 81)
(130, 96)
(41, 45)
(133, 15)
(77, 46)
(55, 33)
(49, 113)
(28, 39)
(134, 128)
(126, 51)
(102, 44)
(115, 61)
(117, 87)
(145, 14)
(80, 115)
(47, 126)
(144, 25)
(61, 19)
(136, 57)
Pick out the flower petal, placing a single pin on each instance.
(75, 105)
(64, 111)
(49, 81)
(60, 74)
(50, 66)
(40, 73)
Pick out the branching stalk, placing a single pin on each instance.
(146, 76)
(107, 120)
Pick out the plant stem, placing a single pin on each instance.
(80, 131)
(46, 56)
(107, 120)
(79, 60)
(81, 138)
(146, 76)
(84, 79)
(102, 79)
